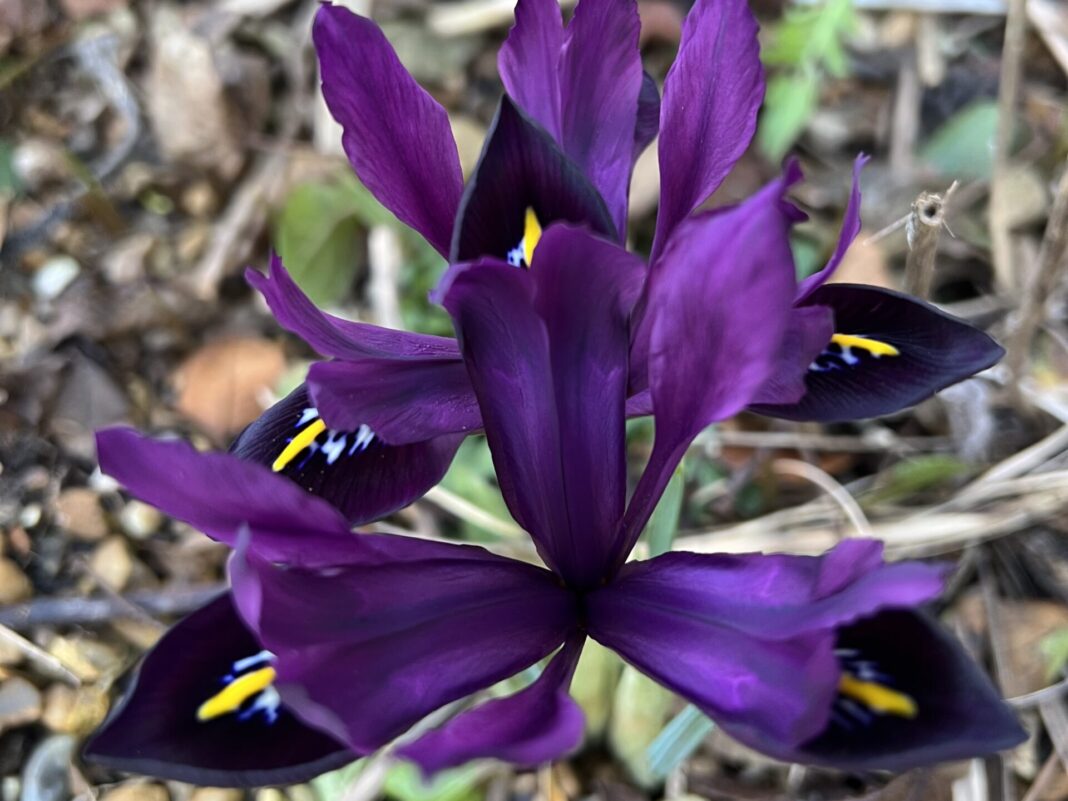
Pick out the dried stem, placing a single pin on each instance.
(1044, 779)
(87, 611)
(925, 223)
(1008, 91)
(1041, 283)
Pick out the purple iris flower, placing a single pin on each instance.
(358, 637)
(380, 422)
(342, 642)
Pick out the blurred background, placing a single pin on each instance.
(149, 151)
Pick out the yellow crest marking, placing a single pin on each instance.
(233, 695)
(531, 235)
(301, 441)
(877, 697)
(873, 346)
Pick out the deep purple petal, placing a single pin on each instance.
(600, 83)
(367, 647)
(808, 332)
(529, 61)
(354, 469)
(934, 350)
(959, 714)
(776, 597)
(155, 730)
(397, 137)
(536, 725)
(850, 228)
(401, 400)
(220, 494)
(648, 123)
(335, 337)
(717, 306)
(749, 638)
(708, 116)
(549, 368)
(522, 168)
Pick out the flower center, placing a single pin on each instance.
(522, 255)
(248, 689)
(849, 350)
(314, 437)
(865, 692)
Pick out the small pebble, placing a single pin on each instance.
(199, 199)
(30, 515)
(111, 563)
(74, 711)
(87, 659)
(78, 510)
(137, 791)
(14, 586)
(54, 276)
(216, 794)
(37, 161)
(139, 520)
(20, 703)
(270, 794)
(46, 776)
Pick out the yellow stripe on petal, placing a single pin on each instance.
(873, 346)
(531, 235)
(233, 695)
(301, 441)
(877, 697)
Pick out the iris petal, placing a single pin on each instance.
(717, 308)
(529, 61)
(402, 400)
(334, 336)
(896, 352)
(600, 85)
(549, 369)
(750, 638)
(396, 136)
(535, 725)
(372, 643)
(353, 468)
(156, 731)
(708, 116)
(522, 168)
(956, 712)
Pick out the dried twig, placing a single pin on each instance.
(1008, 92)
(925, 223)
(48, 664)
(88, 611)
(827, 483)
(1041, 282)
(995, 7)
(1044, 778)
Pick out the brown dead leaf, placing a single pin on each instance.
(1024, 625)
(864, 264)
(222, 386)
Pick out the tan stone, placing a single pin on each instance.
(137, 791)
(78, 511)
(14, 586)
(75, 711)
(111, 563)
(216, 794)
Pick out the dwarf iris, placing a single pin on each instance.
(814, 659)
(343, 641)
